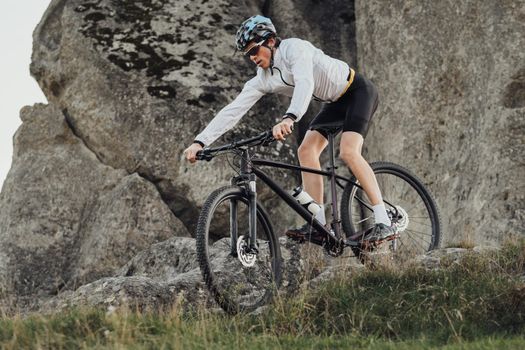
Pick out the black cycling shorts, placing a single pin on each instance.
(353, 110)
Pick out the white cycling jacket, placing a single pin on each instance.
(300, 71)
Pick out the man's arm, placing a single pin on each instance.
(231, 114)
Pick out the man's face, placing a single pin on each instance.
(258, 54)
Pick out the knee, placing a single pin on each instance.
(350, 156)
(307, 152)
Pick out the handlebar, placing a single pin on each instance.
(264, 138)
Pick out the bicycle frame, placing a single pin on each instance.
(249, 171)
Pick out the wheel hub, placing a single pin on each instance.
(244, 253)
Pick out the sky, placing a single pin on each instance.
(18, 19)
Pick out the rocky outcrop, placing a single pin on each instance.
(140, 285)
(452, 109)
(140, 79)
(167, 275)
(65, 217)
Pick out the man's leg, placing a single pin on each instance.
(350, 152)
(309, 151)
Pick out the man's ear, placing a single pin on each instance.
(271, 42)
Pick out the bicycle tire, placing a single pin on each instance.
(210, 251)
(354, 214)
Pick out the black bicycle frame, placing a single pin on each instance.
(247, 174)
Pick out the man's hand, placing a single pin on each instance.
(282, 129)
(191, 152)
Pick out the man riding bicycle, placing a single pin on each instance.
(295, 68)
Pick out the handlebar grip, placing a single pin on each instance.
(203, 155)
(268, 138)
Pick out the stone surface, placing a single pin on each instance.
(66, 218)
(169, 270)
(452, 109)
(139, 293)
(140, 79)
(144, 287)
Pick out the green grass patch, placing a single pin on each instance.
(475, 303)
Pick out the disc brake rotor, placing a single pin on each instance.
(401, 219)
(243, 252)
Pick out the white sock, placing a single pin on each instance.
(380, 215)
(320, 215)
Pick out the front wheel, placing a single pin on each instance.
(409, 205)
(239, 278)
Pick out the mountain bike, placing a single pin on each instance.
(238, 251)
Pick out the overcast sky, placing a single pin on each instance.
(17, 87)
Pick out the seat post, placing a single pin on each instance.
(333, 185)
(331, 150)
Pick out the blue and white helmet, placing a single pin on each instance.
(256, 27)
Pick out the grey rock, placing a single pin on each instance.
(163, 261)
(450, 79)
(183, 287)
(140, 79)
(170, 269)
(125, 221)
(140, 293)
(66, 218)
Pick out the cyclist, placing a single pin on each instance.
(296, 68)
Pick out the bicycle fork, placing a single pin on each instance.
(247, 181)
(252, 224)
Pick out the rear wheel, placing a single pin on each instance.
(409, 205)
(240, 279)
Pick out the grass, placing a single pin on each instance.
(477, 303)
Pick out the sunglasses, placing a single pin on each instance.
(254, 50)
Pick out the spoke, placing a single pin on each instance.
(418, 232)
(368, 218)
(419, 222)
(415, 243)
(420, 239)
(416, 203)
(414, 235)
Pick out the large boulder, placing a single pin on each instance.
(65, 217)
(98, 174)
(140, 79)
(452, 105)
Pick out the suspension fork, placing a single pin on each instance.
(252, 224)
(233, 223)
(246, 180)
